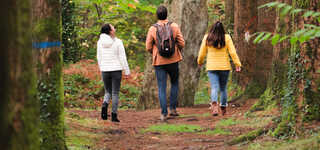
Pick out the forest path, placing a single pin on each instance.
(194, 129)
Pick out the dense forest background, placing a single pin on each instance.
(52, 90)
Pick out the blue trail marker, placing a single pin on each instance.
(40, 45)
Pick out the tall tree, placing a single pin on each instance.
(229, 11)
(264, 50)
(294, 82)
(46, 43)
(192, 16)
(19, 108)
(245, 24)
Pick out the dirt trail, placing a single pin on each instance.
(128, 135)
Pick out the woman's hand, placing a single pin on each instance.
(238, 69)
(200, 65)
(126, 76)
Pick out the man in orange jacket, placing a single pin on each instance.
(166, 65)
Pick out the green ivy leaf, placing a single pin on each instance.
(275, 39)
(258, 37)
(283, 38)
(282, 5)
(308, 14)
(316, 14)
(269, 5)
(286, 10)
(293, 40)
(311, 26)
(294, 11)
(266, 37)
(300, 32)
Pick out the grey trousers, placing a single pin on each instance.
(112, 82)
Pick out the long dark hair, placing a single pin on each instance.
(216, 36)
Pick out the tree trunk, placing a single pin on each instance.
(192, 17)
(246, 22)
(294, 82)
(229, 12)
(309, 104)
(19, 108)
(47, 50)
(264, 50)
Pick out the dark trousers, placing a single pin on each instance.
(112, 82)
(162, 73)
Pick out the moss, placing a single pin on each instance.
(311, 104)
(282, 129)
(247, 137)
(52, 105)
(46, 27)
(19, 107)
(254, 90)
(235, 89)
(266, 101)
(168, 128)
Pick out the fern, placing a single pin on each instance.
(309, 31)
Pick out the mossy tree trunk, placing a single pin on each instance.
(47, 28)
(192, 17)
(294, 82)
(19, 108)
(309, 104)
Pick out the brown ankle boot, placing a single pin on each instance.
(214, 108)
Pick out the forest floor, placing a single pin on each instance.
(194, 129)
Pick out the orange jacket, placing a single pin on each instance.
(151, 46)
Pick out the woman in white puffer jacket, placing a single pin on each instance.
(112, 60)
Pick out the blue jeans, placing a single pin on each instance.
(162, 72)
(218, 81)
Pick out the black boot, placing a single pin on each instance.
(223, 110)
(104, 111)
(114, 117)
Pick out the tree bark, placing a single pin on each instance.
(246, 21)
(229, 12)
(19, 108)
(294, 82)
(47, 29)
(192, 17)
(309, 104)
(264, 50)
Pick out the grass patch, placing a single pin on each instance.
(226, 122)
(195, 115)
(311, 143)
(256, 122)
(78, 140)
(217, 131)
(202, 96)
(171, 128)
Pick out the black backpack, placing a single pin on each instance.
(165, 40)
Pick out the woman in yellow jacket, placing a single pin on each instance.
(218, 45)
